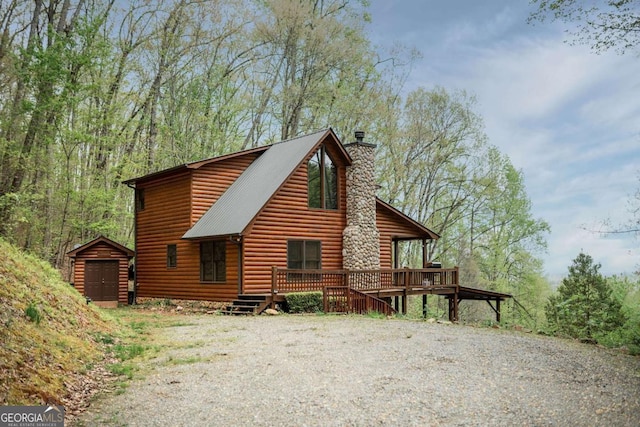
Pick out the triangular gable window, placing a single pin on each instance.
(322, 180)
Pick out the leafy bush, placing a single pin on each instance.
(33, 313)
(304, 302)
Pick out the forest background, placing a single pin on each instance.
(93, 92)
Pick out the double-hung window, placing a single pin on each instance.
(213, 261)
(304, 255)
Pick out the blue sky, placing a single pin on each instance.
(567, 117)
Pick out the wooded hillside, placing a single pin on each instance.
(93, 92)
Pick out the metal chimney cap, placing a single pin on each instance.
(359, 135)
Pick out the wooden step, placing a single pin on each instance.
(248, 304)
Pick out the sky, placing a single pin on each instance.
(568, 118)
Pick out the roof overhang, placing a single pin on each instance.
(424, 232)
(101, 239)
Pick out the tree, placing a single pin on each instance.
(584, 306)
(601, 24)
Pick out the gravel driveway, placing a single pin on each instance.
(358, 371)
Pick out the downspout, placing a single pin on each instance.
(135, 245)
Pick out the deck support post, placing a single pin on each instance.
(274, 291)
(407, 286)
(424, 306)
(496, 309)
(453, 306)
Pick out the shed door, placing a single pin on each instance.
(101, 280)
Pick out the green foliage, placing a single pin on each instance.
(603, 25)
(584, 306)
(626, 290)
(438, 167)
(33, 313)
(304, 302)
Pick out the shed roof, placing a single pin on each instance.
(246, 197)
(101, 239)
(427, 233)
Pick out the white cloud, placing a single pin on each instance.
(616, 254)
(568, 118)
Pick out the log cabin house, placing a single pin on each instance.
(297, 215)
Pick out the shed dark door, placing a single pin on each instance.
(101, 280)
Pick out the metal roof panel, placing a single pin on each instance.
(246, 197)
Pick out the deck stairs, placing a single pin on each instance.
(341, 299)
(248, 304)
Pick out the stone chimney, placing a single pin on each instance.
(361, 238)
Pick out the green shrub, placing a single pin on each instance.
(304, 302)
(33, 313)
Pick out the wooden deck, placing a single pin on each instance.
(374, 290)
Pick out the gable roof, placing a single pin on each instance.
(101, 239)
(428, 234)
(194, 165)
(245, 198)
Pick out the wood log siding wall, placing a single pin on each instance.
(390, 227)
(166, 217)
(288, 217)
(102, 251)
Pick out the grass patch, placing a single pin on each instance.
(33, 313)
(186, 360)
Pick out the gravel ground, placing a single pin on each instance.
(358, 371)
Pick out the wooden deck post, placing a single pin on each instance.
(498, 310)
(274, 286)
(424, 306)
(407, 286)
(455, 306)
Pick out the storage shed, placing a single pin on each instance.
(101, 271)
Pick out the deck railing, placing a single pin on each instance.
(287, 280)
(341, 299)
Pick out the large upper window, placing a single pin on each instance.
(213, 261)
(323, 181)
(304, 255)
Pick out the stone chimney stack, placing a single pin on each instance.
(361, 238)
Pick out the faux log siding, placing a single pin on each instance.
(166, 217)
(390, 227)
(288, 217)
(211, 180)
(103, 251)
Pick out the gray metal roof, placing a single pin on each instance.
(244, 199)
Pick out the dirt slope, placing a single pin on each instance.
(49, 336)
